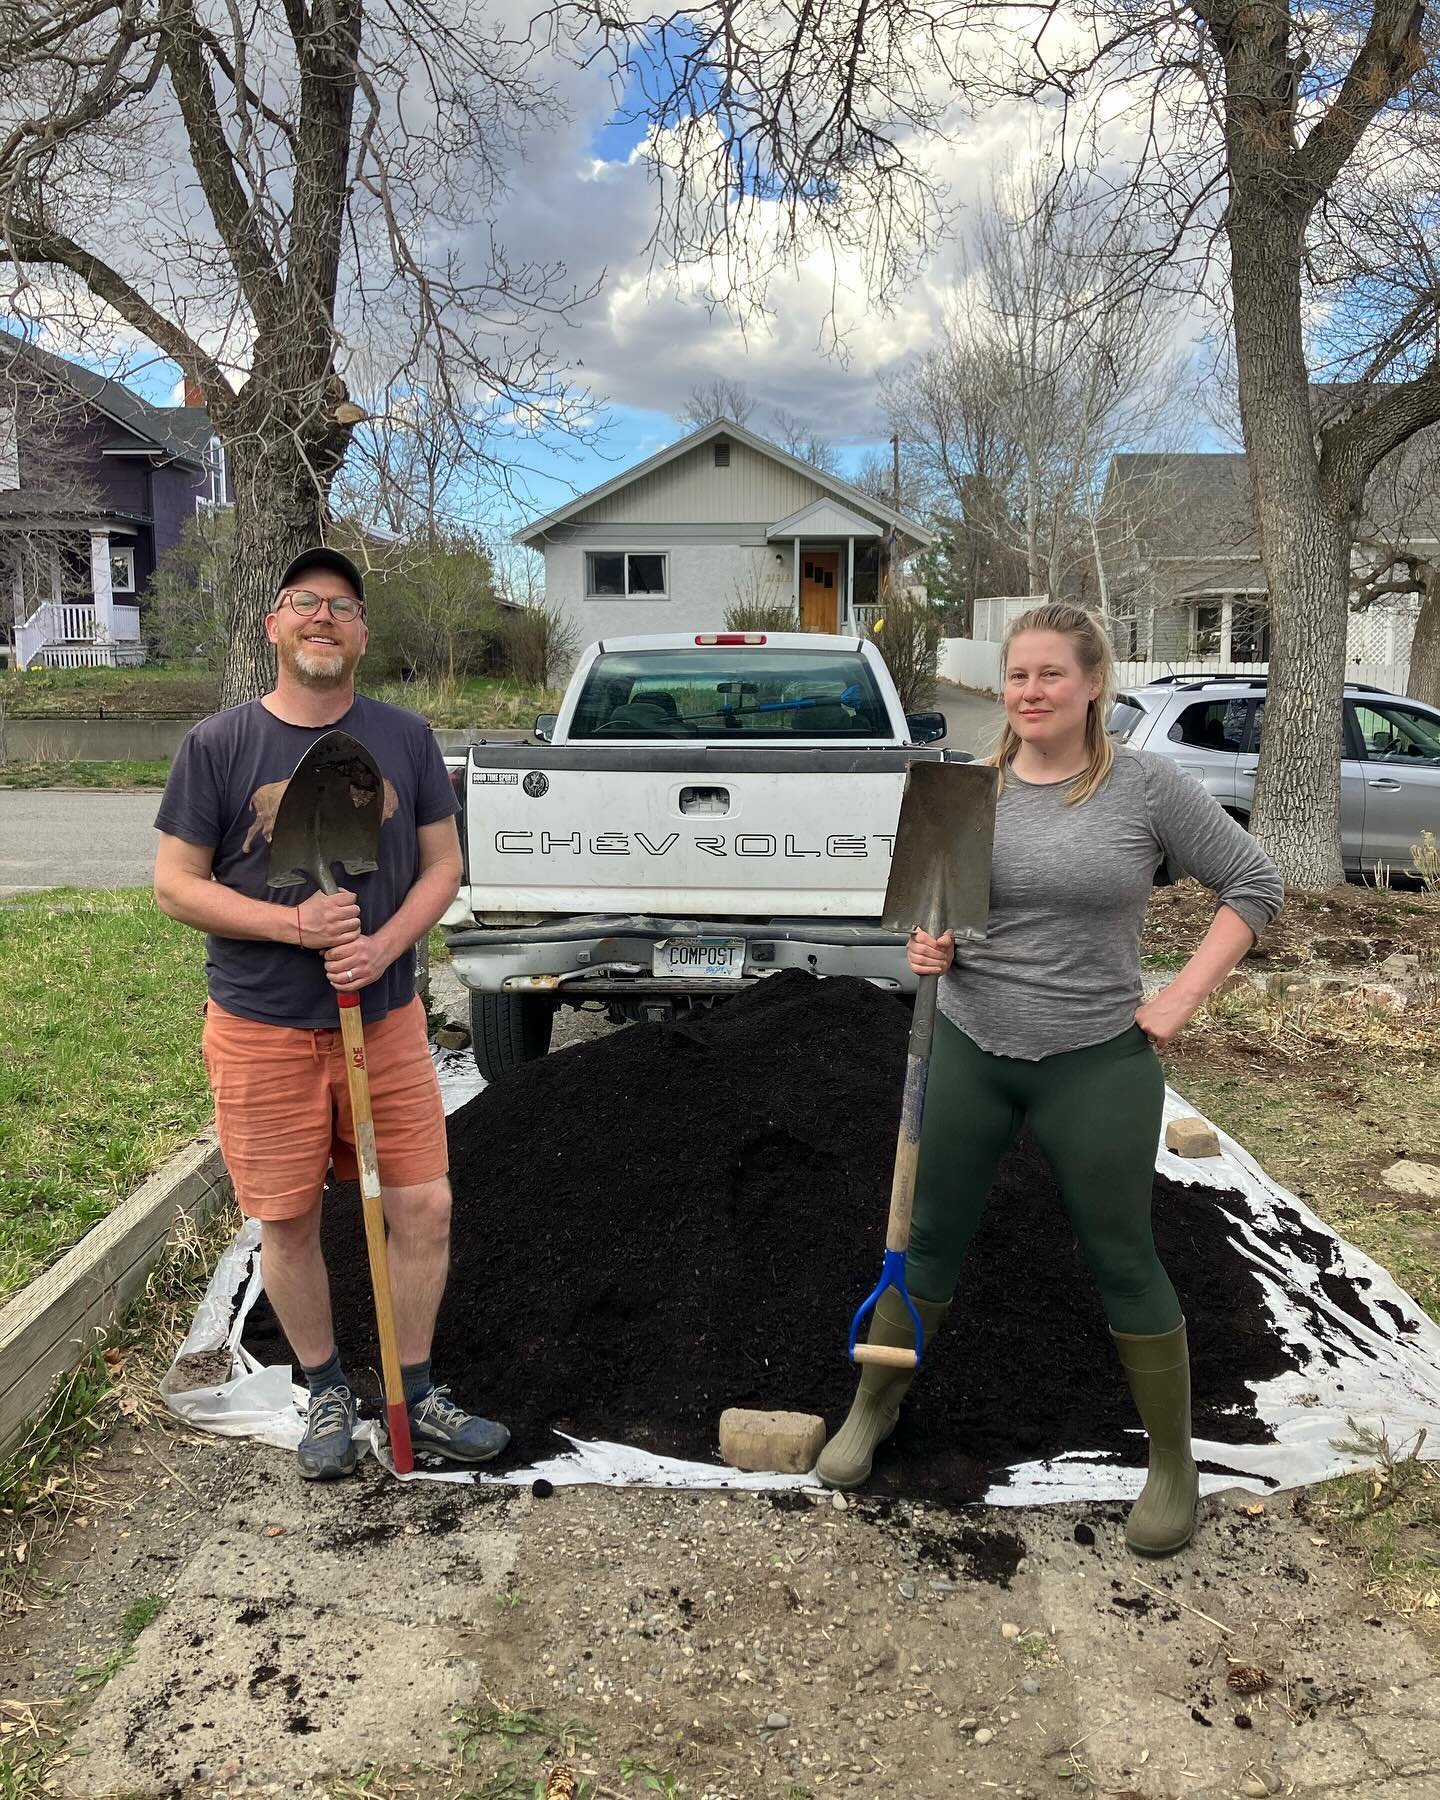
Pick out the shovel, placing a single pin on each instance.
(939, 880)
(331, 811)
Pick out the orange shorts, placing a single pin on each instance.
(282, 1107)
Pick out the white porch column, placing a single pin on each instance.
(100, 588)
(850, 625)
(1227, 627)
(795, 579)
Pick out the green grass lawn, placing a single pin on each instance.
(48, 773)
(100, 1070)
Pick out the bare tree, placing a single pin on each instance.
(254, 192)
(1047, 365)
(720, 398)
(793, 435)
(1397, 553)
(1251, 130)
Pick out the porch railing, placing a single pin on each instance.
(62, 634)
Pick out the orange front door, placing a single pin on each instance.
(819, 590)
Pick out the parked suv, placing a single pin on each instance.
(1389, 755)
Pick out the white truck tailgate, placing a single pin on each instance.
(683, 830)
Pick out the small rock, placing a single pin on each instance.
(967, 1724)
(1416, 1180)
(1030, 1685)
(984, 1735)
(907, 1590)
(1191, 1136)
(1379, 995)
(1287, 985)
(1008, 1630)
(1400, 964)
(776, 1721)
(839, 1502)
(1084, 1534)
(786, 1442)
(541, 1489)
(452, 1037)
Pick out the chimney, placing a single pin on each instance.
(193, 396)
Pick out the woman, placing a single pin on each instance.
(1041, 1026)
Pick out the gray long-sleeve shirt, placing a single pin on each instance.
(1060, 968)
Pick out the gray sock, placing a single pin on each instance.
(326, 1375)
(415, 1378)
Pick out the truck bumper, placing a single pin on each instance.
(611, 957)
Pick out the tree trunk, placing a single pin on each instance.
(1423, 682)
(1305, 543)
(279, 511)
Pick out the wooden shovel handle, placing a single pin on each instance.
(373, 1206)
(912, 1114)
(889, 1356)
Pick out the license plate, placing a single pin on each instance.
(700, 959)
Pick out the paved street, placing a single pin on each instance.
(53, 838)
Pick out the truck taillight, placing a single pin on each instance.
(731, 637)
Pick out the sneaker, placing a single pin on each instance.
(328, 1449)
(438, 1425)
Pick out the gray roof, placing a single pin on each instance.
(179, 432)
(1195, 507)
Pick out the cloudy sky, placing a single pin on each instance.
(583, 196)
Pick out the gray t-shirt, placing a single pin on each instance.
(224, 789)
(1060, 968)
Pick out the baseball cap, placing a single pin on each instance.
(323, 557)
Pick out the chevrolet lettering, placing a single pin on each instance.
(717, 807)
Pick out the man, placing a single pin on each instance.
(272, 1040)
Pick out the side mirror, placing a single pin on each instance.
(545, 726)
(926, 728)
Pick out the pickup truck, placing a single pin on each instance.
(704, 810)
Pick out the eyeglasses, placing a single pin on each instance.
(342, 606)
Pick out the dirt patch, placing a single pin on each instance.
(1348, 925)
(660, 1224)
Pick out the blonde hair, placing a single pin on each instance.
(1093, 653)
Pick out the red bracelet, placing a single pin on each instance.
(299, 928)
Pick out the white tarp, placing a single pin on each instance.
(1376, 1373)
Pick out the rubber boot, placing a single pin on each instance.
(1162, 1520)
(845, 1461)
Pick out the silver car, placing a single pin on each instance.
(1389, 756)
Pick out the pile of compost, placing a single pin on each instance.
(658, 1224)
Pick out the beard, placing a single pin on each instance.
(314, 666)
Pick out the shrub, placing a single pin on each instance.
(907, 634)
(540, 642)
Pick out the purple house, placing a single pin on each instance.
(96, 484)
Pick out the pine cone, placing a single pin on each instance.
(1245, 1678)
(563, 1784)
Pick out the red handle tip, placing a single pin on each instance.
(401, 1454)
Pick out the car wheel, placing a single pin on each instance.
(507, 1030)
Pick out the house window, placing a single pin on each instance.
(1205, 632)
(631, 573)
(218, 492)
(122, 571)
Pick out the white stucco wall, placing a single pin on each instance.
(705, 580)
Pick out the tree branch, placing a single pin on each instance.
(1392, 54)
(34, 244)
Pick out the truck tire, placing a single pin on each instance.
(507, 1030)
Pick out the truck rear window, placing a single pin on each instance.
(726, 693)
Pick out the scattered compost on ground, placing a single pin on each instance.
(655, 1225)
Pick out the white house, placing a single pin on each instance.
(719, 520)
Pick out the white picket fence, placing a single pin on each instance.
(975, 663)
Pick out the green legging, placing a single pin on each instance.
(1096, 1115)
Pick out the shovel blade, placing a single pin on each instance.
(331, 811)
(940, 872)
